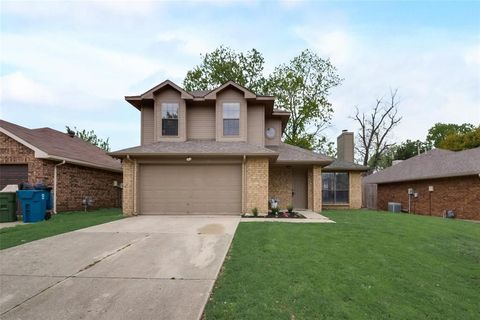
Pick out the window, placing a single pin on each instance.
(169, 119)
(231, 119)
(335, 187)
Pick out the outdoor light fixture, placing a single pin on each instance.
(189, 159)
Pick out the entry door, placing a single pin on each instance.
(299, 192)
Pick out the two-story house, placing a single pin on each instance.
(220, 152)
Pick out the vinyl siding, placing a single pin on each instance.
(148, 125)
(201, 121)
(277, 125)
(231, 95)
(256, 125)
(173, 96)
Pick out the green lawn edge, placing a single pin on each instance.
(58, 224)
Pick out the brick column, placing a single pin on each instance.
(355, 190)
(256, 184)
(317, 188)
(128, 187)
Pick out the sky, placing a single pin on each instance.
(72, 62)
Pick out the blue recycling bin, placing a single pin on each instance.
(33, 204)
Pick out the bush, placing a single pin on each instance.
(274, 211)
(255, 212)
(290, 209)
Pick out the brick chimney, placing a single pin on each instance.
(345, 146)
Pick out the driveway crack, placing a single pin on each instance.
(76, 273)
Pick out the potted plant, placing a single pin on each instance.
(290, 211)
(255, 212)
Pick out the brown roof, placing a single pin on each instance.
(52, 144)
(296, 155)
(436, 163)
(196, 147)
(345, 165)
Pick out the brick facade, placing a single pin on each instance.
(355, 190)
(74, 182)
(129, 190)
(460, 194)
(280, 179)
(256, 184)
(316, 188)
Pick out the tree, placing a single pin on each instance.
(457, 141)
(90, 137)
(302, 87)
(440, 131)
(375, 128)
(402, 151)
(224, 64)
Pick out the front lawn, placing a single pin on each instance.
(60, 223)
(368, 265)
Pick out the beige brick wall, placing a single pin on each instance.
(280, 185)
(355, 190)
(317, 188)
(256, 184)
(310, 188)
(128, 187)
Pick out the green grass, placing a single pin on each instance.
(60, 223)
(369, 265)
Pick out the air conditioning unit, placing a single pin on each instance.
(394, 207)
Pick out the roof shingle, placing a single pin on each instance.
(196, 147)
(292, 154)
(59, 145)
(436, 163)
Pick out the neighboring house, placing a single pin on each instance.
(439, 180)
(77, 168)
(220, 151)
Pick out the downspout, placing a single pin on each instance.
(55, 185)
(243, 183)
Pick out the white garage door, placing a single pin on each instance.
(190, 188)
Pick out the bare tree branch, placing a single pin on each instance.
(375, 128)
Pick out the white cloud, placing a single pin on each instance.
(336, 44)
(16, 87)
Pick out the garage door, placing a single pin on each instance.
(168, 189)
(13, 174)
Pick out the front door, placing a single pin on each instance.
(299, 186)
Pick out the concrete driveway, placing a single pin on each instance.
(146, 267)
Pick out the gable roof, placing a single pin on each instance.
(136, 100)
(196, 148)
(288, 154)
(436, 163)
(338, 164)
(51, 144)
(197, 95)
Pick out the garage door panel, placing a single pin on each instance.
(190, 189)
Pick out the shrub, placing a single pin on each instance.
(274, 211)
(255, 212)
(290, 209)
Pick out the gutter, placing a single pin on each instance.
(55, 185)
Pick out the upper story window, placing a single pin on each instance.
(231, 119)
(169, 119)
(335, 187)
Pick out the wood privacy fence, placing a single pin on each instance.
(369, 196)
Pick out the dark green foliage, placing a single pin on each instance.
(91, 137)
(440, 131)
